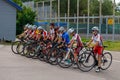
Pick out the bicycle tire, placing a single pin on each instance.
(104, 60)
(14, 46)
(84, 63)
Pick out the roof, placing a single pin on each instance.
(14, 4)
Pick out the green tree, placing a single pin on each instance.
(107, 7)
(94, 7)
(23, 17)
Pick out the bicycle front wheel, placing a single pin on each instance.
(86, 62)
(106, 60)
(14, 46)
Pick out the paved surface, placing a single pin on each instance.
(16, 67)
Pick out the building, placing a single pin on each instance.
(41, 14)
(8, 11)
(118, 8)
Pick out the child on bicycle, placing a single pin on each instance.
(96, 42)
(75, 42)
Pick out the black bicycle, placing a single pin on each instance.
(106, 59)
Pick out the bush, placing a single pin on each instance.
(27, 15)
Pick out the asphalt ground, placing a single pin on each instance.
(16, 67)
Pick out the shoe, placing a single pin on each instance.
(67, 62)
(97, 69)
(75, 66)
(63, 61)
(52, 59)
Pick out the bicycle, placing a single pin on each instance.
(106, 59)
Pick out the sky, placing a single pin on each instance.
(117, 1)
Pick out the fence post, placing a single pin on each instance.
(113, 37)
(77, 14)
(106, 28)
(68, 13)
(65, 17)
(84, 18)
(58, 12)
(74, 18)
(88, 19)
(43, 9)
(93, 19)
(118, 20)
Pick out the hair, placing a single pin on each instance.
(52, 24)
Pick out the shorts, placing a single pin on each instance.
(98, 50)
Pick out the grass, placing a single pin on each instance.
(5, 43)
(112, 45)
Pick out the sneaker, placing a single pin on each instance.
(97, 69)
(75, 66)
(52, 59)
(67, 62)
(62, 61)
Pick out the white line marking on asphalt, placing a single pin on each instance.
(116, 61)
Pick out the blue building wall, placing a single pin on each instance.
(7, 21)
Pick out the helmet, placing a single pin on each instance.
(61, 29)
(95, 28)
(26, 26)
(71, 30)
(34, 27)
(30, 26)
(40, 28)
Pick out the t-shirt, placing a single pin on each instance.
(77, 38)
(44, 33)
(66, 38)
(97, 38)
(37, 31)
(52, 31)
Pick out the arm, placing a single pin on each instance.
(89, 42)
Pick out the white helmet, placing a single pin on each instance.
(30, 26)
(26, 26)
(40, 28)
(34, 27)
(61, 29)
(95, 28)
(71, 30)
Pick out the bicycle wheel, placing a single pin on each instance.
(86, 62)
(106, 60)
(67, 62)
(52, 58)
(41, 56)
(20, 48)
(14, 46)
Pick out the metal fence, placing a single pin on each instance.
(82, 24)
